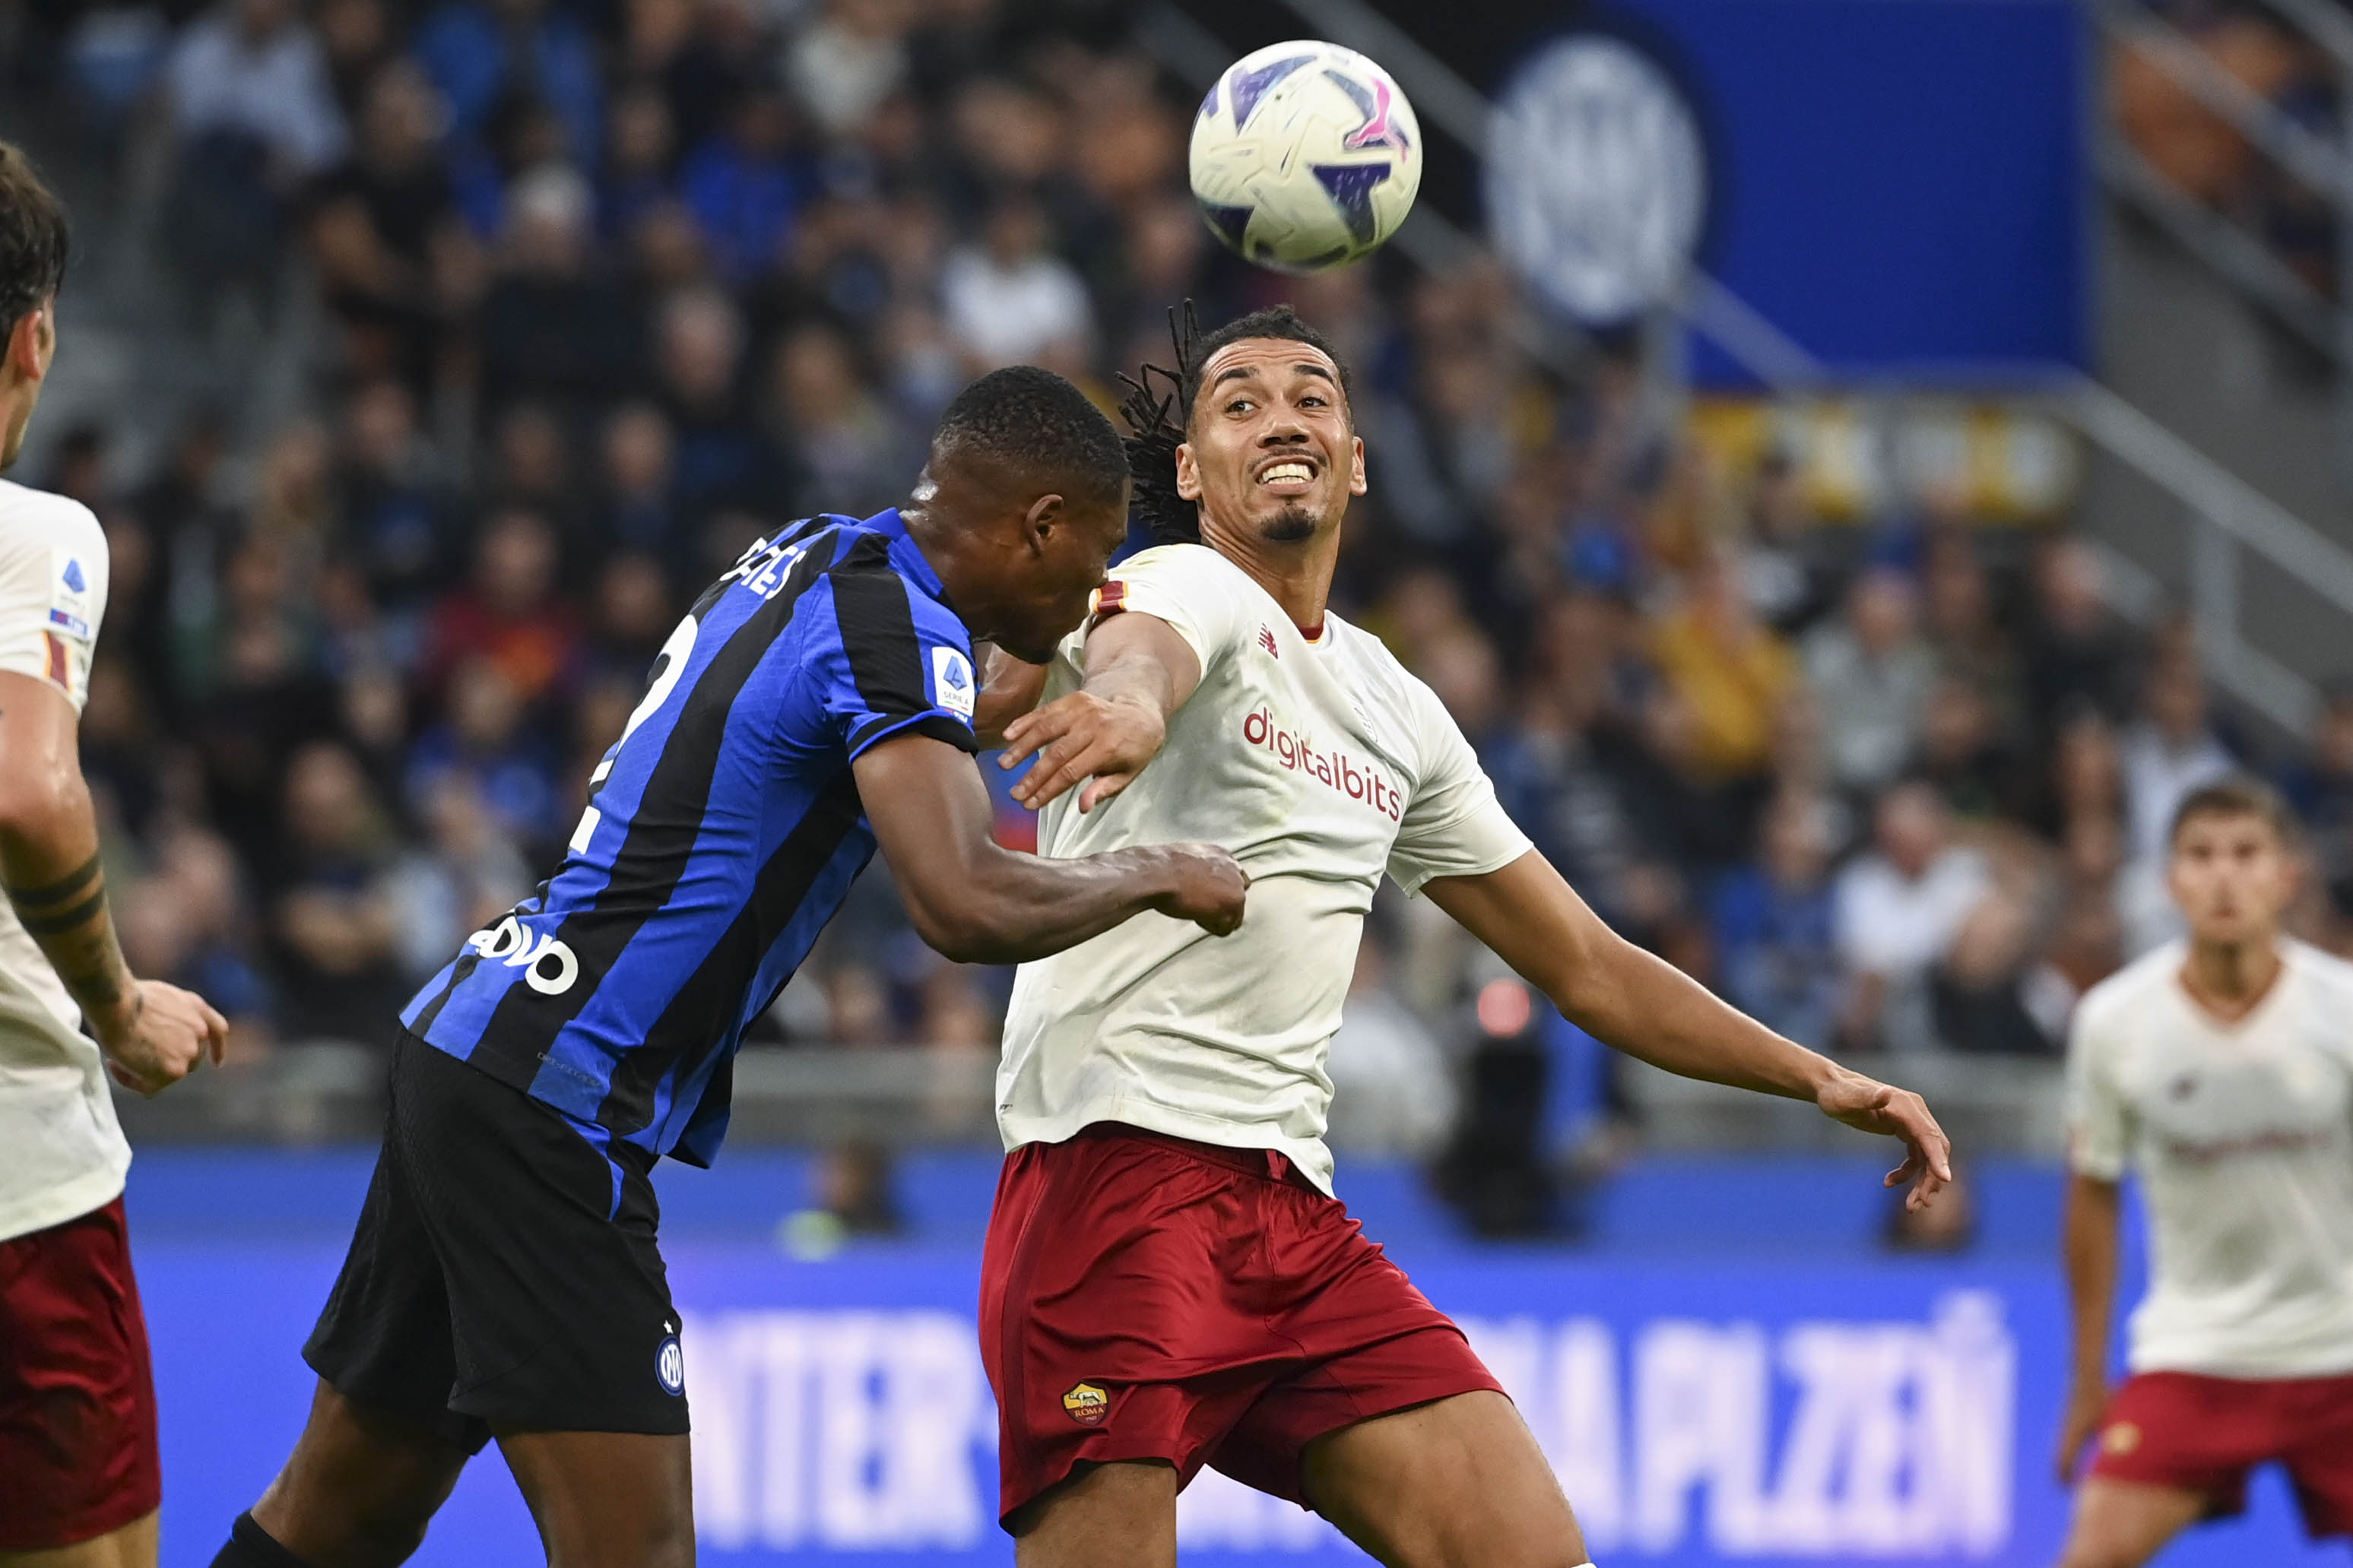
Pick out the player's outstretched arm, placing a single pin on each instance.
(1139, 672)
(2093, 1208)
(1648, 1008)
(153, 1034)
(979, 902)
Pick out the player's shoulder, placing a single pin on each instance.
(1377, 672)
(2126, 992)
(28, 516)
(1188, 563)
(2319, 967)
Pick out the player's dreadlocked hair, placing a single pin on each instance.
(1157, 421)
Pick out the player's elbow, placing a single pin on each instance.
(34, 794)
(956, 927)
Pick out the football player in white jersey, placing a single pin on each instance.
(1168, 1282)
(2220, 1070)
(78, 1478)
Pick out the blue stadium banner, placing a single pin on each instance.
(1700, 1410)
(1898, 185)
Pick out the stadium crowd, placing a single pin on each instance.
(610, 290)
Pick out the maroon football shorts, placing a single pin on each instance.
(77, 1400)
(2204, 1434)
(1145, 1296)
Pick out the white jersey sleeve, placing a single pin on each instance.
(1207, 598)
(2099, 1117)
(1453, 825)
(53, 579)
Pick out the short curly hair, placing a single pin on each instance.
(1158, 423)
(1037, 423)
(33, 238)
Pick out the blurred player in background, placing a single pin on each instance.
(505, 1279)
(2221, 1069)
(78, 1478)
(1168, 1281)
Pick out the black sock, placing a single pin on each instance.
(249, 1546)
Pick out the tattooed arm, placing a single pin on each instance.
(153, 1034)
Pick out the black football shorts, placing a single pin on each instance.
(504, 1276)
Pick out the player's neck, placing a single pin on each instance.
(1295, 573)
(2228, 979)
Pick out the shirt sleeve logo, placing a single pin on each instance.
(74, 579)
(951, 682)
(69, 607)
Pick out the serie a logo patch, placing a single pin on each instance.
(1087, 1403)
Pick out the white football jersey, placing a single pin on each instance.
(1321, 764)
(61, 1153)
(2242, 1137)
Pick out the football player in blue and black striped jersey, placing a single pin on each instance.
(504, 1281)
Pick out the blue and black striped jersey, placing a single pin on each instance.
(723, 831)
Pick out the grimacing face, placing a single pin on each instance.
(2231, 876)
(1058, 587)
(1271, 451)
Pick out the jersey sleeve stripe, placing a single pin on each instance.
(663, 830)
(878, 631)
(938, 726)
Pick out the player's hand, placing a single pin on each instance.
(2087, 1407)
(166, 1034)
(1209, 886)
(1083, 737)
(1874, 1107)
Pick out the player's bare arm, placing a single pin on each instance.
(153, 1035)
(2093, 1210)
(1139, 672)
(978, 902)
(1642, 1006)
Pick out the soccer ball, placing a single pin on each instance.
(1305, 155)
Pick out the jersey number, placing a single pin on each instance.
(670, 669)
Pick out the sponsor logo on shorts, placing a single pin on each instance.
(1087, 1403)
(669, 1366)
(2121, 1437)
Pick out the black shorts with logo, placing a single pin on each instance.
(504, 1275)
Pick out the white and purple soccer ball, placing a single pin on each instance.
(1305, 155)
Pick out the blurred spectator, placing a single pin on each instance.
(1392, 1091)
(743, 188)
(639, 462)
(2168, 753)
(486, 742)
(1961, 751)
(2320, 787)
(1873, 675)
(182, 923)
(845, 64)
(334, 922)
(510, 615)
(1010, 300)
(640, 156)
(855, 458)
(1898, 911)
(1785, 565)
(555, 326)
(394, 259)
(460, 879)
(397, 519)
(1971, 646)
(256, 115)
(1730, 671)
(2076, 653)
(1773, 927)
(720, 460)
(480, 54)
